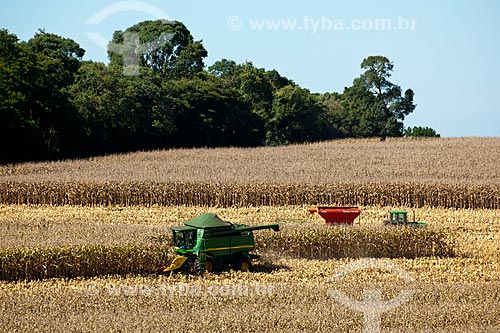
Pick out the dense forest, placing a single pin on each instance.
(156, 93)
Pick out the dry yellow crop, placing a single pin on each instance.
(111, 215)
(448, 161)
(244, 302)
(128, 193)
(142, 233)
(344, 172)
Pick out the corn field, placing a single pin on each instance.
(346, 242)
(80, 241)
(114, 305)
(315, 243)
(449, 173)
(82, 261)
(247, 195)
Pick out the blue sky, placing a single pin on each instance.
(449, 58)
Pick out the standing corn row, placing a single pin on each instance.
(300, 242)
(81, 261)
(244, 195)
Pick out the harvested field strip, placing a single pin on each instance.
(150, 304)
(310, 243)
(246, 195)
(46, 233)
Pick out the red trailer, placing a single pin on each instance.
(337, 215)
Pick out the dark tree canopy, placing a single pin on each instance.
(255, 87)
(36, 118)
(296, 117)
(391, 106)
(57, 47)
(167, 47)
(156, 93)
(421, 132)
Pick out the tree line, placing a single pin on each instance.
(156, 93)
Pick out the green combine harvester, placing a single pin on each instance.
(206, 243)
(400, 218)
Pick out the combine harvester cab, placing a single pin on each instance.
(206, 243)
(400, 218)
(337, 215)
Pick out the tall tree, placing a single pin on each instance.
(59, 59)
(392, 106)
(65, 51)
(167, 47)
(361, 116)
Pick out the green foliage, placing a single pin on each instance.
(156, 93)
(34, 114)
(372, 106)
(167, 47)
(391, 107)
(419, 131)
(332, 116)
(16, 122)
(66, 52)
(255, 88)
(296, 117)
(121, 112)
(209, 114)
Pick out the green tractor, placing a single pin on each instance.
(207, 243)
(399, 218)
